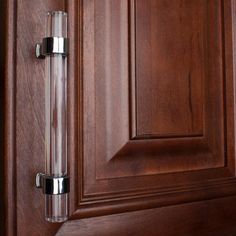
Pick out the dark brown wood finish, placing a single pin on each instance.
(24, 92)
(151, 117)
(122, 158)
(193, 219)
(173, 37)
(3, 16)
(9, 228)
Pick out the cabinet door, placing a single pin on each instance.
(151, 140)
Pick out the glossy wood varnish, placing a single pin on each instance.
(151, 117)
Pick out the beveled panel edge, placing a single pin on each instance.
(161, 147)
(75, 122)
(96, 189)
(215, 189)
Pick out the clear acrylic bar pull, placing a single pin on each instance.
(55, 181)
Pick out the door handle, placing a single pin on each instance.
(55, 181)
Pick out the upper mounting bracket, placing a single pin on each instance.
(52, 45)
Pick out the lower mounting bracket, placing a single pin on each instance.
(52, 185)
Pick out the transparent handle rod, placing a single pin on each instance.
(56, 206)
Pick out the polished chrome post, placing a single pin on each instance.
(55, 181)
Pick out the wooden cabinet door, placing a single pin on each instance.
(151, 140)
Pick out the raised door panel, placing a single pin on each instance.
(156, 101)
(170, 66)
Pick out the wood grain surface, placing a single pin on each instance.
(151, 117)
(195, 219)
